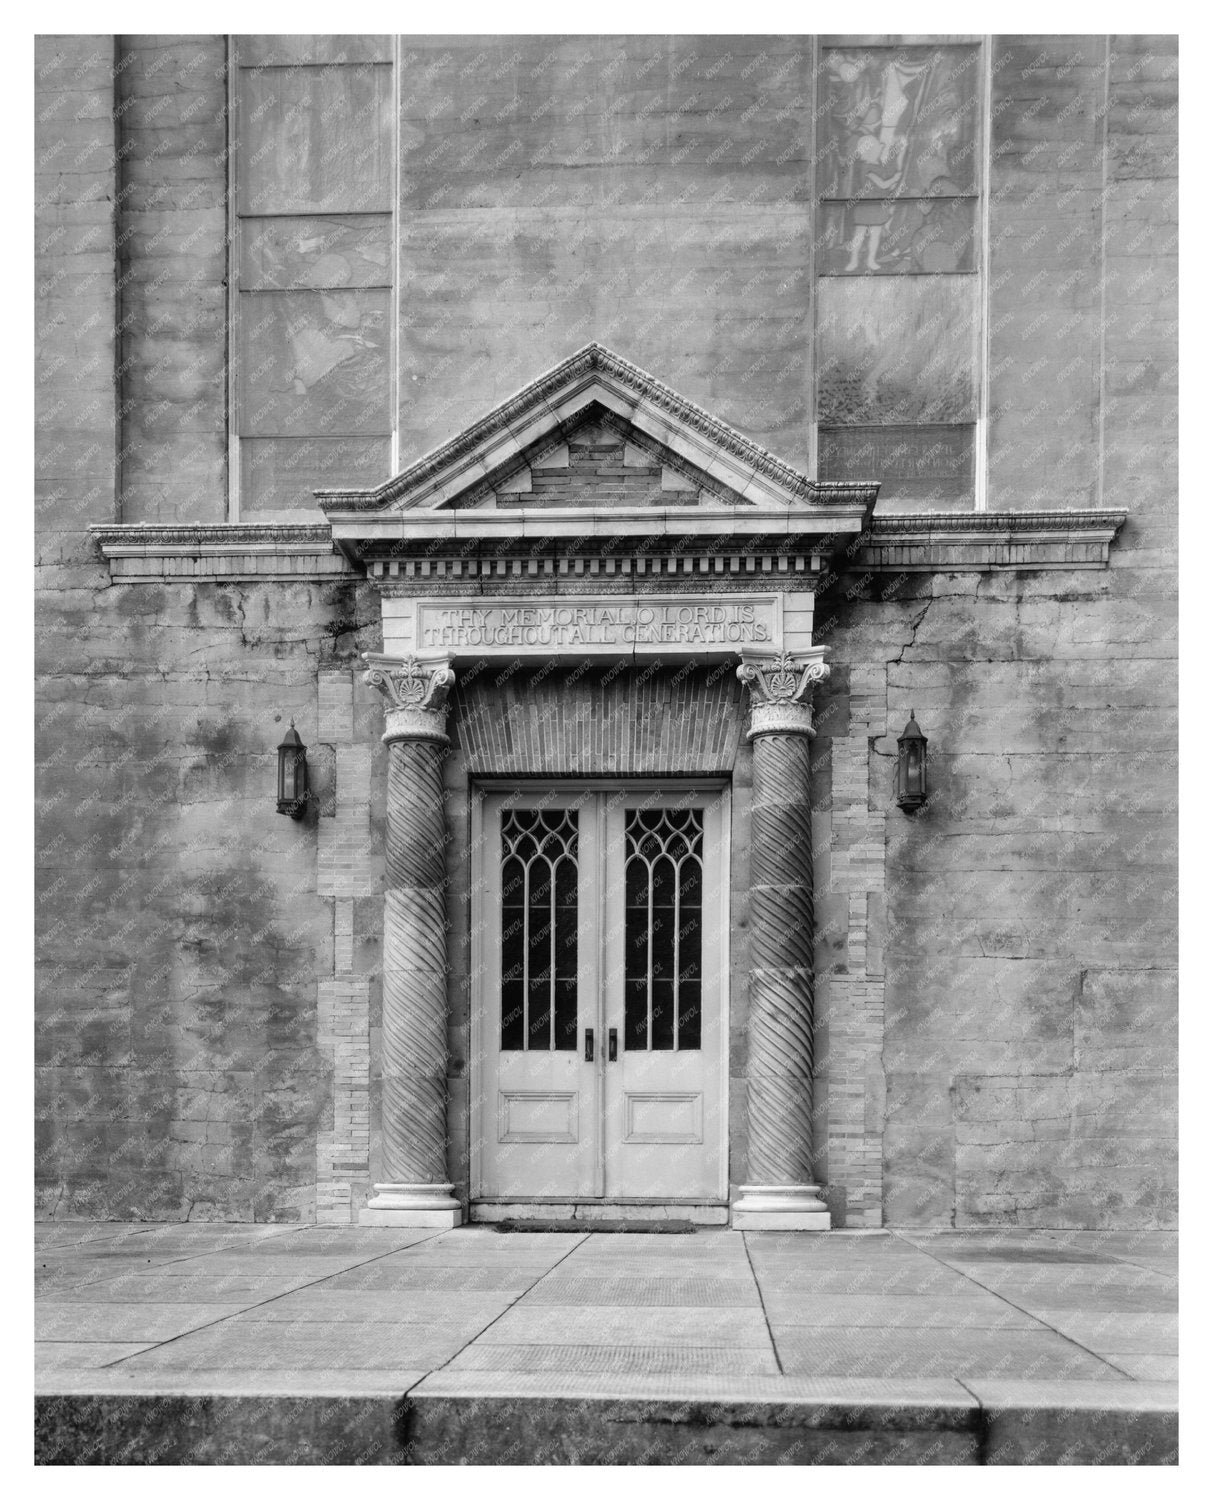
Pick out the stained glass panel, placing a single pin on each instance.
(897, 350)
(321, 361)
(916, 236)
(899, 122)
(324, 139)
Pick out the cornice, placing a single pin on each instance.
(985, 541)
(687, 541)
(241, 551)
(1016, 521)
(238, 533)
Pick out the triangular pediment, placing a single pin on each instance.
(597, 460)
(597, 434)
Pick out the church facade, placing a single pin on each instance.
(568, 477)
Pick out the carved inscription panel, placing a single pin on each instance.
(602, 625)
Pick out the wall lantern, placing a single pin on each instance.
(292, 774)
(911, 767)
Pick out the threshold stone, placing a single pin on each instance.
(594, 1226)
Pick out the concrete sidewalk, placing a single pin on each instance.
(241, 1343)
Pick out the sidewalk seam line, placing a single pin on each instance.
(492, 1321)
(277, 1297)
(172, 1260)
(1027, 1314)
(762, 1302)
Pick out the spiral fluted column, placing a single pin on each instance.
(414, 1028)
(781, 1193)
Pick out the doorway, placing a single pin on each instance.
(600, 954)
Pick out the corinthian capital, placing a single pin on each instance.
(781, 691)
(414, 694)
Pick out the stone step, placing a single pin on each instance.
(545, 1418)
(696, 1213)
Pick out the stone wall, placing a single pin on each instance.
(75, 308)
(999, 988)
(650, 192)
(997, 1000)
(171, 127)
(1020, 935)
(1083, 245)
(186, 1040)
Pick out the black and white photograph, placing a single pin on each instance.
(605, 753)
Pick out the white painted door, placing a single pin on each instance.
(600, 951)
(538, 918)
(665, 922)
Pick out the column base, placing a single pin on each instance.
(780, 1207)
(412, 1205)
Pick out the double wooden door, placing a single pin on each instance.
(599, 950)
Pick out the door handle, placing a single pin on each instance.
(589, 1044)
(612, 1045)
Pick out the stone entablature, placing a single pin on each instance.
(608, 625)
(614, 571)
(746, 524)
(608, 569)
(706, 492)
(951, 542)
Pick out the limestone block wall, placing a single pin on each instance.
(1083, 241)
(999, 981)
(75, 305)
(999, 989)
(201, 958)
(202, 1026)
(651, 192)
(170, 132)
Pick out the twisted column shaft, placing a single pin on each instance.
(781, 1193)
(414, 1045)
(779, 1090)
(414, 1028)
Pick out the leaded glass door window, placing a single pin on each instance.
(599, 952)
(539, 930)
(663, 928)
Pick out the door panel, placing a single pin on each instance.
(601, 927)
(663, 986)
(538, 921)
